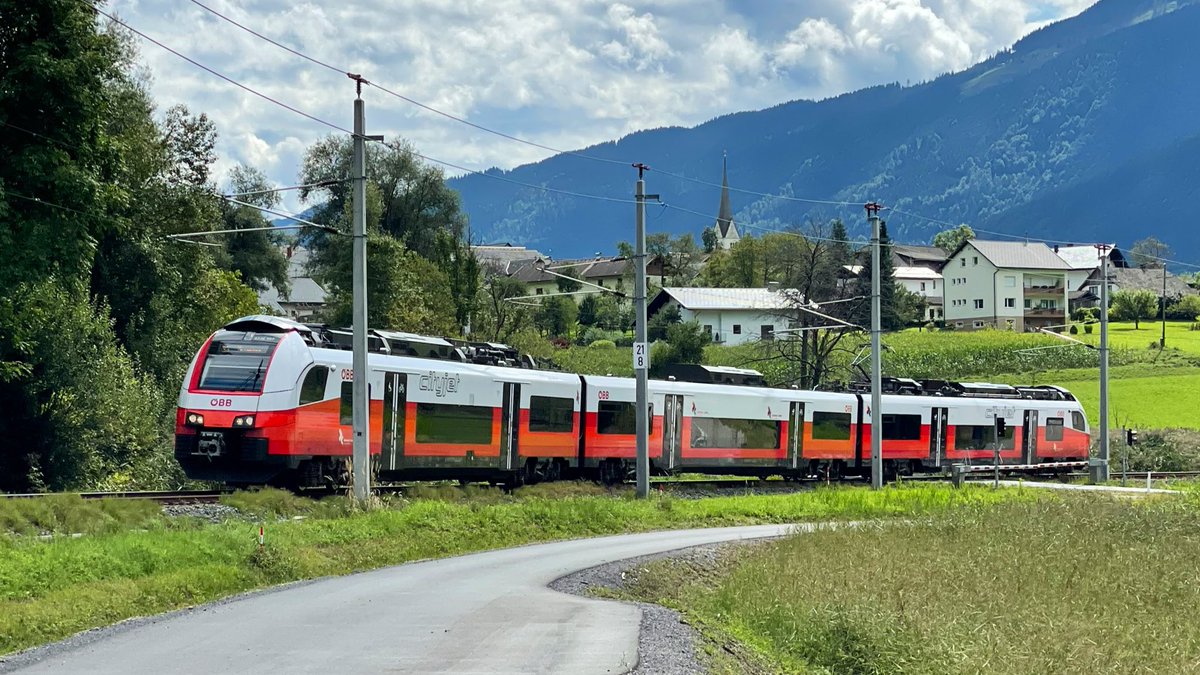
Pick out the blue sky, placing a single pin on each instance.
(564, 73)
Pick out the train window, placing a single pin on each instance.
(237, 365)
(1054, 428)
(347, 412)
(547, 413)
(831, 426)
(714, 432)
(313, 389)
(1077, 422)
(902, 427)
(619, 418)
(458, 424)
(968, 437)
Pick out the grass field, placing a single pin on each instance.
(1123, 335)
(50, 589)
(1074, 585)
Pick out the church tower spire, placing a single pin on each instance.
(727, 232)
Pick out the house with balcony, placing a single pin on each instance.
(925, 281)
(1009, 285)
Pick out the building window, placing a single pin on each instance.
(978, 324)
(922, 285)
(1010, 302)
(964, 262)
(767, 332)
(456, 424)
(737, 329)
(547, 413)
(1028, 303)
(708, 330)
(1054, 428)
(978, 303)
(958, 324)
(975, 260)
(537, 292)
(831, 426)
(935, 284)
(1010, 282)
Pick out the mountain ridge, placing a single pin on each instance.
(1027, 142)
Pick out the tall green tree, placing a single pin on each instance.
(951, 239)
(1135, 306)
(255, 254)
(889, 316)
(414, 202)
(1149, 253)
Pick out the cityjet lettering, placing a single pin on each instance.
(440, 385)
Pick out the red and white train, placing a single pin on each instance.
(268, 401)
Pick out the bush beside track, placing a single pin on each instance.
(53, 588)
(1071, 584)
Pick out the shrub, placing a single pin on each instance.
(1087, 328)
(603, 344)
(1074, 329)
(1186, 308)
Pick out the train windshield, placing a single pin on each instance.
(237, 365)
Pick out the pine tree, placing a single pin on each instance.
(889, 317)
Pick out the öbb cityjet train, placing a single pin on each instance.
(268, 401)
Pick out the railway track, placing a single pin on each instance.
(160, 496)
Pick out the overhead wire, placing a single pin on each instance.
(496, 132)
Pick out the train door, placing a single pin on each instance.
(673, 431)
(938, 419)
(1029, 437)
(795, 434)
(395, 403)
(510, 424)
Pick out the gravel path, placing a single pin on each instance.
(667, 644)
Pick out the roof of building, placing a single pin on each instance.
(902, 272)
(930, 254)
(304, 290)
(728, 298)
(1016, 254)
(1137, 279)
(1081, 257)
(595, 268)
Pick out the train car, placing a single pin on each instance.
(262, 404)
(269, 401)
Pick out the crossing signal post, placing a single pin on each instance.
(1001, 426)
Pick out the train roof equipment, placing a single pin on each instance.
(911, 387)
(694, 372)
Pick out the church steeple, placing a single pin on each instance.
(727, 232)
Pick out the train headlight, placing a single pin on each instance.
(195, 419)
(243, 421)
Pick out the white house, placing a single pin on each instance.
(924, 281)
(1005, 284)
(305, 299)
(730, 315)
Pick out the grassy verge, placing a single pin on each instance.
(1056, 585)
(52, 589)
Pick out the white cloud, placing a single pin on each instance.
(566, 73)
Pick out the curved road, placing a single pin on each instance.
(483, 613)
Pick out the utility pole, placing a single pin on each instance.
(876, 364)
(361, 457)
(1100, 468)
(641, 350)
(1162, 305)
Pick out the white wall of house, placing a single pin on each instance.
(968, 284)
(980, 295)
(929, 289)
(733, 326)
